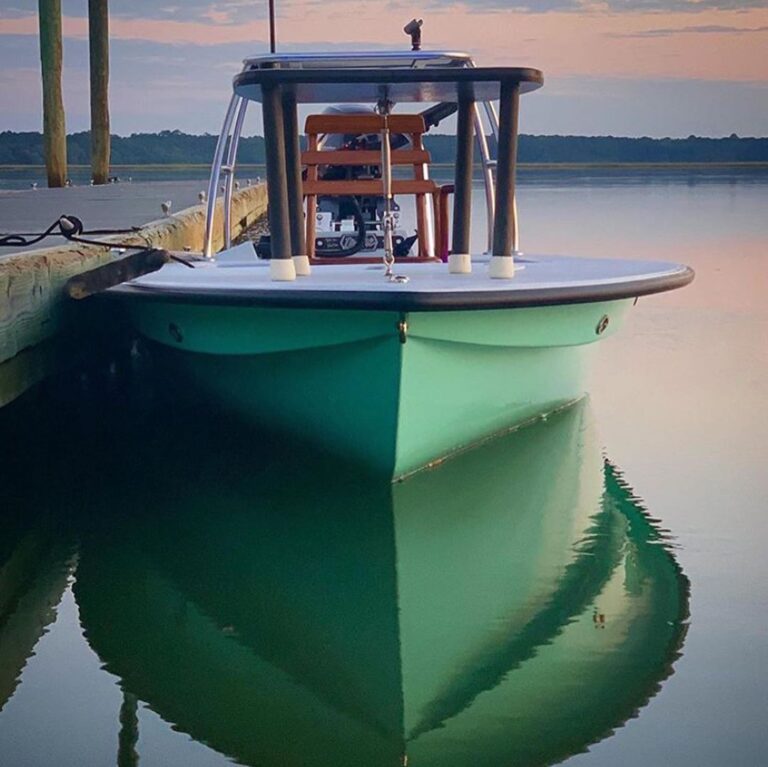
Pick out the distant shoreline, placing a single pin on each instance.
(177, 149)
(703, 165)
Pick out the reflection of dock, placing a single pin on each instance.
(34, 569)
(449, 618)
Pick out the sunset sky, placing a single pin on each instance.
(621, 67)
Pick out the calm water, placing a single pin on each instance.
(178, 590)
(22, 178)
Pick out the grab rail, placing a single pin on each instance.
(229, 169)
(213, 183)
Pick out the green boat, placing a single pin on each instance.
(512, 606)
(392, 360)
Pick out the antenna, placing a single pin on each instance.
(271, 26)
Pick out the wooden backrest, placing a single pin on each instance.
(363, 123)
(363, 157)
(415, 155)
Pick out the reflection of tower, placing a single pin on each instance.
(598, 618)
(127, 755)
(449, 618)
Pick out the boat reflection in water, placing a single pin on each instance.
(511, 606)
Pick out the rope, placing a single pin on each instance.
(68, 226)
(72, 228)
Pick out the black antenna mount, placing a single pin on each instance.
(413, 28)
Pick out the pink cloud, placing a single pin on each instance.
(596, 44)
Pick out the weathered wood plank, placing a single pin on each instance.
(369, 187)
(364, 123)
(364, 157)
(121, 270)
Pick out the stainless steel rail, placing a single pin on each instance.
(213, 182)
(493, 120)
(229, 169)
(488, 165)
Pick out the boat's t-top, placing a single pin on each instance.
(336, 198)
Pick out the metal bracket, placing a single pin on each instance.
(402, 329)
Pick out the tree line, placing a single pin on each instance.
(175, 147)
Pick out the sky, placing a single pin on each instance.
(611, 67)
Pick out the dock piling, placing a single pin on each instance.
(54, 128)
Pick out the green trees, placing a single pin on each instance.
(175, 147)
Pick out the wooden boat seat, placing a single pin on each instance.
(414, 156)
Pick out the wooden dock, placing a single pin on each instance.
(35, 327)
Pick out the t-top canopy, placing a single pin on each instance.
(281, 82)
(421, 76)
(359, 59)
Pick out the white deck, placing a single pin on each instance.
(540, 273)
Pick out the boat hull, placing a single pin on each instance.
(392, 391)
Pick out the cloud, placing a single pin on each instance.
(155, 86)
(653, 107)
(709, 29)
(223, 13)
(216, 12)
(12, 10)
(173, 72)
(611, 6)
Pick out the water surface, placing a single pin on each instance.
(175, 589)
